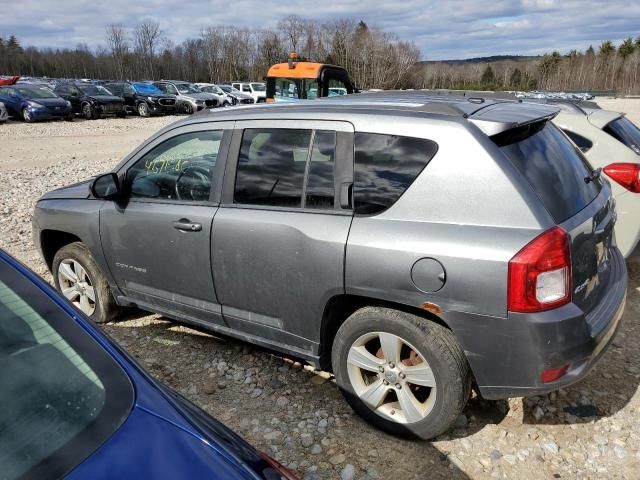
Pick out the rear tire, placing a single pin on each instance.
(88, 276)
(421, 392)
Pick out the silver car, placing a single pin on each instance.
(412, 247)
(223, 99)
(4, 115)
(190, 99)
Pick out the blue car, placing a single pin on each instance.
(73, 404)
(34, 102)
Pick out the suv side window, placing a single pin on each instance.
(385, 166)
(584, 144)
(246, 88)
(271, 167)
(180, 168)
(128, 89)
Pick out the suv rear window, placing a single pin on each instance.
(385, 166)
(553, 166)
(626, 132)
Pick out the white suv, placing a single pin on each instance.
(258, 90)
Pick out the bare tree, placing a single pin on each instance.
(119, 47)
(147, 36)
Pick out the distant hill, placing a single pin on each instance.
(493, 58)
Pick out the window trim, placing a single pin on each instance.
(218, 171)
(343, 169)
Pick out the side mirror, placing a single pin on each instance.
(106, 186)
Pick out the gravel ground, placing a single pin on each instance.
(589, 430)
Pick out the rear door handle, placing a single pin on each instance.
(346, 192)
(184, 225)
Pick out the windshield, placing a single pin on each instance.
(93, 90)
(259, 87)
(554, 167)
(62, 395)
(626, 132)
(36, 92)
(186, 88)
(146, 89)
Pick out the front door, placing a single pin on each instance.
(279, 236)
(157, 241)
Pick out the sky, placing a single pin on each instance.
(441, 29)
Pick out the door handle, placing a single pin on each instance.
(346, 192)
(185, 225)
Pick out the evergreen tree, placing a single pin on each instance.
(488, 77)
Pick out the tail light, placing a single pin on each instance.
(626, 174)
(285, 473)
(539, 275)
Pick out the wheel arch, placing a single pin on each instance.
(340, 307)
(53, 240)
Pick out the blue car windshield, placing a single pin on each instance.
(147, 89)
(36, 92)
(61, 394)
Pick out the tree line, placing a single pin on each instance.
(374, 58)
(611, 67)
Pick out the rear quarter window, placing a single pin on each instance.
(626, 132)
(554, 167)
(385, 166)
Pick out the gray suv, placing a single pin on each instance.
(414, 248)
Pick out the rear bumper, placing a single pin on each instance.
(508, 355)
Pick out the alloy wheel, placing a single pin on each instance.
(391, 377)
(76, 285)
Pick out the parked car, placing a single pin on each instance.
(412, 247)
(143, 98)
(4, 115)
(91, 101)
(31, 103)
(221, 97)
(190, 98)
(610, 142)
(258, 90)
(74, 404)
(237, 95)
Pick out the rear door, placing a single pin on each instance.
(280, 233)
(157, 240)
(576, 199)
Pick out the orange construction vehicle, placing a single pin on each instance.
(293, 81)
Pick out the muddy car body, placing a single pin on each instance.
(408, 246)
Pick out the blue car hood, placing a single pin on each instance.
(50, 102)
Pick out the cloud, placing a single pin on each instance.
(442, 30)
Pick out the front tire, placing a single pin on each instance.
(404, 374)
(26, 115)
(78, 278)
(143, 109)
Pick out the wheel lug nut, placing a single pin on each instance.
(392, 365)
(381, 369)
(403, 376)
(398, 386)
(385, 382)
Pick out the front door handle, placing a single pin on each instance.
(184, 225)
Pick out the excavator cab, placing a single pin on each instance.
(294, 81)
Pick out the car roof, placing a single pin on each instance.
(490, 115)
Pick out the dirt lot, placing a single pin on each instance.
(590, 430)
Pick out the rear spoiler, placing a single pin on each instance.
(602, 118)
(501, 117)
